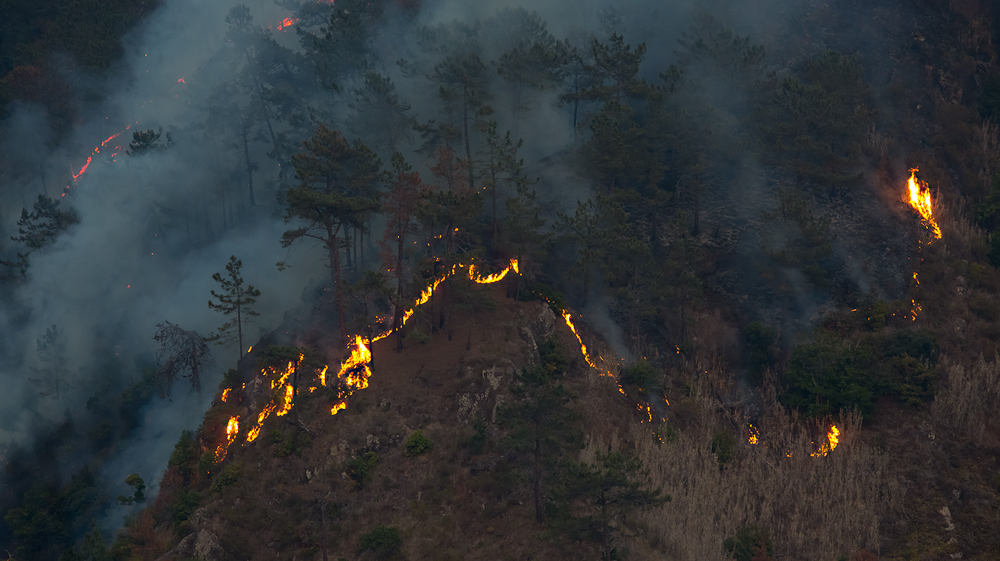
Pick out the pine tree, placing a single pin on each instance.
(234, 298)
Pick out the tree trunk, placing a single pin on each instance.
(400, 230)
(605, 529)
(333, 246)
(322, 526)
(246, 156)
(538, 477)
(239, 318)
(465, 122)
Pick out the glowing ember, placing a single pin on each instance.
(920, 200)
(754, 435)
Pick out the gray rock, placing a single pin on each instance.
(207, 547)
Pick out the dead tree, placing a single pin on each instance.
(186, 354)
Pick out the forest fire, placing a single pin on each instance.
(920, 200)
(97, 150)
(832, 438)
(753, 436)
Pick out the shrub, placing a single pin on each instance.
(361, 469)
(761, 352)
(641, 374)
(750, 543)
(417, 444)
(286, 445)
(555, 359)
(383, 541)
(416, 336)
(724, 447)
(184, 454)
(229, 475)
(184, 506)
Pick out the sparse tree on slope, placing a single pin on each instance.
(235, 298)
(186, 355)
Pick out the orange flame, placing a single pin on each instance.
(832, 438)
(920, 200)
(225, 394)
(338, 407)
(232, 428)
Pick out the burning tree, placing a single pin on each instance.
(334, 195)
(186, 354)
(235, 298)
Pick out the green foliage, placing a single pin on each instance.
(752, 543)
(227, 477)
(144, 142)
(286, 445)
(477, 442)
(828, 375)
(641, 374)
(362, 469)
(234, 298)
(554, 357)
(761, 349)
(184, 454)
(611, 489)
(205, 464)
(417, 444)
(38, 230)
(815, 121)
(724, 447)
(382, 541)
(184, 505)
(138, 485)
(135, 398)
(989, 100)
(416, 336)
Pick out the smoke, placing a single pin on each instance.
(154, 227)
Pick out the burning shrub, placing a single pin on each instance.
(752, 543)
(417, 444)
(382, 541)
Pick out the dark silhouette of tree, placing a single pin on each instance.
(400, 207)
(329, 200)
(51, 350)
(610, 487)
(144, 142)
(542, 427)
(464, 91)
(38, 229)
(815, 122)
(233, 299)
(501, 168)
(184, 354)
(379, 114)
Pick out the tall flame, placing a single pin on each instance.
(832, 439)
(920, 200)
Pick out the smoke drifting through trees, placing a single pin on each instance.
(669, 146)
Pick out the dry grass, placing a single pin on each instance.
(968, 398)
(815, 507)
